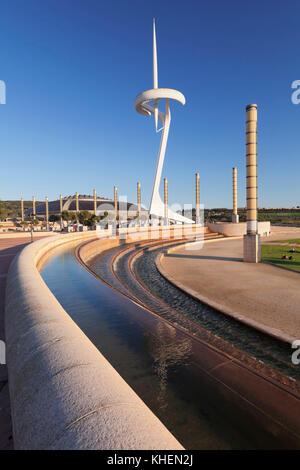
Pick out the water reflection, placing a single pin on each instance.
(167, 353)
(166, 367)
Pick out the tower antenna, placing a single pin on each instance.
(155, 75)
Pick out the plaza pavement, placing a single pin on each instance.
(263, 292)
(262, 295)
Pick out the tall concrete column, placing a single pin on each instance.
(22, 209)
(166, 219)
(77, 205)
(197, 198)
(235, 217)
(251, 239)
(139, 198)
(61, 209)
(47, 213)
(95, 202)
(33, 207)
(116, 201)
(77, 201)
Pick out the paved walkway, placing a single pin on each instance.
(259, 293)
(9, 247)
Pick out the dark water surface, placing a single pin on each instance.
(160, 362)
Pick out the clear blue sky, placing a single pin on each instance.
(73, 68)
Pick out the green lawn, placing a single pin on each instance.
(273, 254)
(291, 241)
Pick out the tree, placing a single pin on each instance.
(92, 220)
(67, 216)
(83, 217)
(53, 218)
(3, 211)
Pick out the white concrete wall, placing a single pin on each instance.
(26, 234)
(64, 393)
(229, 229)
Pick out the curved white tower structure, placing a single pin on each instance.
(146, 103)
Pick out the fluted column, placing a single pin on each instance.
(166, 221)
(47, 212)
(235, 217)
(33, 207)
(95, 202)
(251, 164)
(197, 198)
(22, 209)
(139, 198)
(116, 201)
(61, 209)
(77, 201)
(252, 239)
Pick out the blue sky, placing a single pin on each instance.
(73, 68)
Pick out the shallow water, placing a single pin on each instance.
(174, 305)
(259, 345)
(160, 362)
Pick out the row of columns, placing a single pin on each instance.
(251, 239)
(139, 206)
(60, 205)
(165, 200)
(251, 197)
(197, 199)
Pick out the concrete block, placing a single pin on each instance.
(252, 248)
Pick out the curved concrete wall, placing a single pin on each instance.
(229, 229)
(64, 393)
(93, 248)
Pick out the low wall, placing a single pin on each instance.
(26, 234)
(89, 250)
(64, 393)
(229, 229)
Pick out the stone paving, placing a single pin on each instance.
(216, 270)
(261, 293)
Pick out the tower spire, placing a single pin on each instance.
(155, 74)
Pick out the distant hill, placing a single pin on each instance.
(274, 215)
(13, 208)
